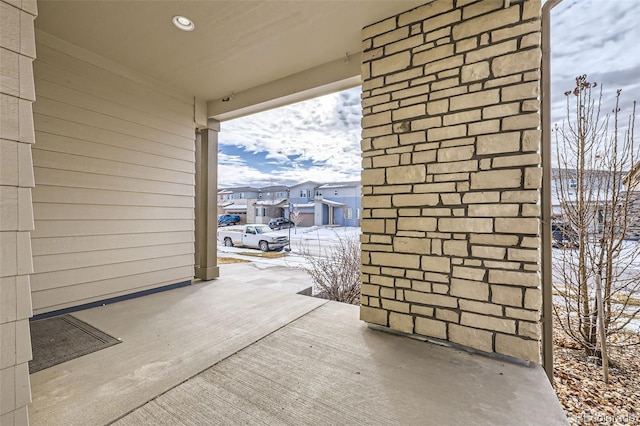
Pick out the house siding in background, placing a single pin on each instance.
(319, 204)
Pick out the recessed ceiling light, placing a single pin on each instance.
(183, 23)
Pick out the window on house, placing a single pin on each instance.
(335, 192)
(349, 213)
(573, 184)
(357, 213)
(303, 194)
(318, 193)
(260, 211)
(241, 195)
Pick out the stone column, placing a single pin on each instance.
(451, 174)
(17, 92)
(206, 202)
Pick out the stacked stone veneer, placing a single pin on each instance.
(451, 179)
(17, 92)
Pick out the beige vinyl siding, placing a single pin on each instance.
(114, 171)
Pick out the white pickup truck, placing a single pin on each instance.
(253, 235)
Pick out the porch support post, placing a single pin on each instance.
(206, 267)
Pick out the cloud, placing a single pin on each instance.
(319, 139)
(322, 134)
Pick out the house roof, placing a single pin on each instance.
(302, 49)
(267, 202)
(330, 202)
(351, 184)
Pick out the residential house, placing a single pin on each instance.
(301, 198)
(338, 204)
(238, 201)
(269, 203)
(110, 117)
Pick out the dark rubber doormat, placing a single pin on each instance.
(60, 339)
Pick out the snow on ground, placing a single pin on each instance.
(316, 239)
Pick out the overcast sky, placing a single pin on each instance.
(319, 139)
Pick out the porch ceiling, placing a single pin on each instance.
(237, 46)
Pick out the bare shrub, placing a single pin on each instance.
(596, 280)
(336, 273)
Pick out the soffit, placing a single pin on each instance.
(236, 45)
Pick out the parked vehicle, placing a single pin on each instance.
(563, 236)
(254, 235)
(228, 219)
(280, 223)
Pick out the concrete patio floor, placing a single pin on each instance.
(245, 349)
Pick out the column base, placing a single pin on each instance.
(206, 274)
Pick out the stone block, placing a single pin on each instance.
(453, 167)
(488, 252)
(517, 160)
(443, 133)
(426, 11)
(436, 264)
(468, 289)
(373, 177)
(431, 328)
(523, 255)
(438, 107)
(370, 290)
(426, 123)
(529, 329)
(471, 337)
(372, 225)
(533, 178)
(465, 225)
(422, 310)
(396, 260)
(399, 322)
(405, 200)
(394, 305)
(506, 295)
(517, 62)
(447, 315)
(515, 31)
(455, 248)
(522, 314)
(501, 110)
(401, 33)
(409, 112)
(518, 347)
(379, 28)
(491, 51)
(373, 315)
(487, 22)
(483, 127)
(406, 174)
(514, 278)
(518, 92)
(480, 307)
(481, 197)
(475, 72)
(474, 100)
(475, 274)
(517, 225)
(411, 245)
(533, 298)
(433, 54)
(443, 20)
(488, 322)
(456, 154)
(493, 210)
(431, 299)
(496, 179)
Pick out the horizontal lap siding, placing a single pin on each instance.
(114, 197)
